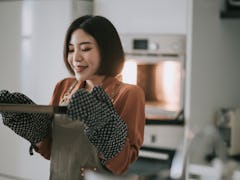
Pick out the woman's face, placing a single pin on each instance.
(83, 55)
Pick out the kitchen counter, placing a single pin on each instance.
(228, 170)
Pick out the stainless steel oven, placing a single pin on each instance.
(156, 62)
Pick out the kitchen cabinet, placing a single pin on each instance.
(231, 10)
(230, 14)
(213, 172)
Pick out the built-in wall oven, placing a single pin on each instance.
(156, 63)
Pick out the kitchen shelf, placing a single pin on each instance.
(230, 14)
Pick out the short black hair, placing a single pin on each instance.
(107, 38)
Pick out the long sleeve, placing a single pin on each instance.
(129, 104)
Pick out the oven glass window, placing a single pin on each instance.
(162, 84)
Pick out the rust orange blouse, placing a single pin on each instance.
(129, 103)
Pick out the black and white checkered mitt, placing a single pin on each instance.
(104, 127)
(32, 126)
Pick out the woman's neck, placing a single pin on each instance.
(98, 81)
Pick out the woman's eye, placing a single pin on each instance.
(86, 49)
(71, 50)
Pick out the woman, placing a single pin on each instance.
(93, 54)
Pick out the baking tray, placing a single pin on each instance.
(32, 108)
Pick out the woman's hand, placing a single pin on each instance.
(104, 127)
(34, 127)
(44, 147)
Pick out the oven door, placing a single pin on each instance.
(162, 79)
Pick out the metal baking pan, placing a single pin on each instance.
(32, 108)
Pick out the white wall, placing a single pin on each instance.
(42, 62)
(10, 78)
(9, 50)
(145, 16)
(45, 66)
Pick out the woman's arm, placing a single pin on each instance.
(129, 104)
(44, 147)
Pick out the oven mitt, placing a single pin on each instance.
(104, 127)
(32, 126)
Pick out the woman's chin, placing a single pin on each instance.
(79, 77)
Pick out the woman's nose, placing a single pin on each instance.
(77, 56)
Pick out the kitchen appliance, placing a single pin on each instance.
(228, 124)
(233, 5)
(156, 63)
(234, 2)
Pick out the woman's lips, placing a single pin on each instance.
(79, 68)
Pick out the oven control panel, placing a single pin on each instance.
(173, 44)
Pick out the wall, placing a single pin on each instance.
(45, 64)
(145, 16)
(10, 78)
(10, 33)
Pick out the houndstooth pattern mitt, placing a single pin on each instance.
(104, 127)
(32, 126)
